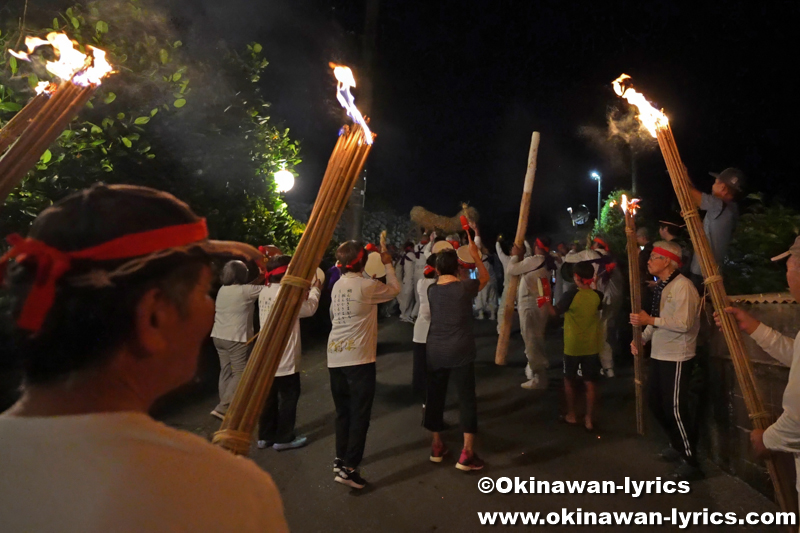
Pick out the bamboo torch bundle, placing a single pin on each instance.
(629, 209)
(38, 124)
(658, 125)
(345, 165)
(522, 228)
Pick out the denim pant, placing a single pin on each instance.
(233, 358)
(280, 410)
(353, 390)
(464, 381)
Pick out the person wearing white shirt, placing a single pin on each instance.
(486, 301)
(352, 350)
(406, 272)
(784, 434)
(534, 284)
(276, 424)
(421, 326)
(233, 327)
(80, 453)
(672, 326)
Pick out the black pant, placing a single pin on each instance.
(669, 402)
(280, 411)
(353, 390)
(436, 395)
(419, 368)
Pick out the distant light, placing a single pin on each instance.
(595, 175)
(284, 180)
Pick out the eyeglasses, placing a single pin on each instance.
(653, 257)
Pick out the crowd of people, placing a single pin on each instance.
(110, 316)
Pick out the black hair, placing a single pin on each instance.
(673, 230)
(347, 253)
(447, 263)
(277, 262)
(431, 262)
(584, 270)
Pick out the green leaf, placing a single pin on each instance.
(75, 22)
(127, 142)
(163, 55)
(12, 62)
(101, 27)
(10, 106)
(120, 116)
(176, 44)
(141, 120)
(179, 103)
(46, 157)
(176, 76)
(56, 24)
(153, 111)
(257, 48)
(33, 80)
(96, 129)
(110, 97)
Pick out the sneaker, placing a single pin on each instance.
(298, 442)
(528, 372)
(687, 472)
(264, 444)
(670, 455)
(535, 383)
(469, 461)
(609, 372)
(438, 453)
(337, 464)
(217, 414)
(348, 477)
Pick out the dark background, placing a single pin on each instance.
(460, 86)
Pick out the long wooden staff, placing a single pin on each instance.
(522, 228)
(636, 306)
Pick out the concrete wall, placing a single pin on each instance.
(725, 425)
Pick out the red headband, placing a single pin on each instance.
(541, 245)
(371, 247)
(357, 260)
(52, 264)
(669, 255)
(429, 270)
(601, 242)
(276, 272)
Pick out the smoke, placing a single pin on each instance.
(622, 135)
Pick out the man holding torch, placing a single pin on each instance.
(672, 326)
(784, 434)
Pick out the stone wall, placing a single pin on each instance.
(725, 425)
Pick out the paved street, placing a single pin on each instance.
(519, 436)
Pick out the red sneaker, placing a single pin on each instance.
(469, 461)
(438, 452)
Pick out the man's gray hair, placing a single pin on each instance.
(673, 248)
(234, 273)
(642, 232)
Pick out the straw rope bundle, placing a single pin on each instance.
(713, 281)
(522, 229)
(35, 128)
(431, 221)
(636, 306)
(346, 162)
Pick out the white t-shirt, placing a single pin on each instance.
(233, 317)
(354, 317)
(125, 472)
(423, 322)
(291, 356)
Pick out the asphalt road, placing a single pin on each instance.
(519, 436)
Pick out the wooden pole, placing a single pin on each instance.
(346, 162)
(742, 364)
(634, 281)
(522, 228)
(14, 127)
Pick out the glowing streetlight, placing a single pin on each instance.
(599, 179)
(284, 180)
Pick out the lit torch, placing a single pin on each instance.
(629, 209)
(346, 162)
(39, 124)
(657, 124)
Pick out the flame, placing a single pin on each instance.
(651, 118)
(345, 79)
(71, 64)
(631, 205)
(45, 87)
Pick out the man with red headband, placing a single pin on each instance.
(110, 297)
(672, 326)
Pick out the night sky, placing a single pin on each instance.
(460, 86)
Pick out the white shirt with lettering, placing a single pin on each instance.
(291, 355)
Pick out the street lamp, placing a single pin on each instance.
(597, 177)
(284, 180)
